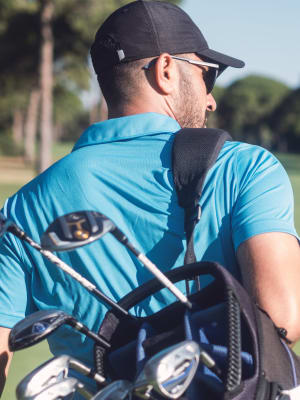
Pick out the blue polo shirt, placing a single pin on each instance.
(122, 168)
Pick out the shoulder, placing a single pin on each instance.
(251, 162)
(248, 155)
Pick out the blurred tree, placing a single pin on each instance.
(285, 123)
(30, 129)
(19, 60)
(36, 34)
(67, 107)
(46, 81)
(245, 107)
(218, 92)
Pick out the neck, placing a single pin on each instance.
(140, 106)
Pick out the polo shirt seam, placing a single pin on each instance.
(283, 228)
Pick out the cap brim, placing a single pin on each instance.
(223, 59)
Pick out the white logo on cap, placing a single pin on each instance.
(121, 54)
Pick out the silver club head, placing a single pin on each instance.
(117, 390)
(169, 372)
(75, 230)
(66, 388)
(50, 372)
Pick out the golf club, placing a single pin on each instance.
(117, 390)
(50, 372)
(292, 394)
(9, 226)
(83, 227)
(65, 389)
(37, 326)
(169, 372)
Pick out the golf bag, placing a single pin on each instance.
(249, 350)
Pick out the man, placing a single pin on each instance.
(157, 73)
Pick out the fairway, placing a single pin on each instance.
(13, 174)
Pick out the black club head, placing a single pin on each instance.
(75, 229)
(36, 327)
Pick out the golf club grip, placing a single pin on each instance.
(176, 275)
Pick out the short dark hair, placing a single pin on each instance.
(121, 83)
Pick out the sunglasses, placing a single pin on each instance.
(209, 75)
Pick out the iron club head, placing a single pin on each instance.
(41, 378)
(50, 372)
(170, 371)
(64, 389)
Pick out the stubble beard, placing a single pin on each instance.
(189, 109)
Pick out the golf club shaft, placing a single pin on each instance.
(85, 370)
(84, 392)
(15, 230)
(210, 363)
(119, 235)
(86, 331)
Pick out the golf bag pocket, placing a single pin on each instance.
(241, 355)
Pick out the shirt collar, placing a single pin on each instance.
(125, 128)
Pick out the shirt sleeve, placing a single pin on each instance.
(15, 302)
(265, 201)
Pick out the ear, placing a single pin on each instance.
(166, 74)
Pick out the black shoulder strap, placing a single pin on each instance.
(194, 152)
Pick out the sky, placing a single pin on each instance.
(263, 33)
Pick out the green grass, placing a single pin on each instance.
(6, 190)
(23, 362)
(61, 149)
(17, 170)
(292, 164)
(26, 360)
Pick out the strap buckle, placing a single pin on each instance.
(199, 213)
(192, 215)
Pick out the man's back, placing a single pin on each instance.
(122, 168)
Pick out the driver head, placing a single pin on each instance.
(75, 230)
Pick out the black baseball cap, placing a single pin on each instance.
(144, 29)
